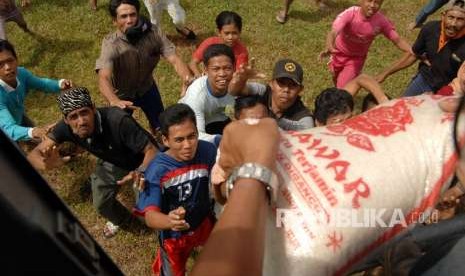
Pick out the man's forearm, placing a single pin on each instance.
(180, 67)
(149, 153)
(240, 233)
(405, 61)
(107, 89)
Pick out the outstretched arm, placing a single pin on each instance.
(369, 83)
(405, 61)
(236, 244)
(46, 156)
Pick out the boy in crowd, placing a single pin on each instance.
(333, 106)
(15, 83)
(123, 148)
(176, 199)
(351, 36)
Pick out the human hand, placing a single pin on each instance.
(51, 157)
(260, 145)
(324, 54)
(248, 71)
(188, 80)
(218, 175)
(137, 179)
(25, 3)
(65, 84)
(123, 104)
(177, 221)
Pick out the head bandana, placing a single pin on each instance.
(74, 98)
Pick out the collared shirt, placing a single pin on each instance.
(445, 63)
(117, 138)
(132, 65)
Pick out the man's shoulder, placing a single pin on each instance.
(431, 26)
(196, 91)
(111, 37)
(298, 110)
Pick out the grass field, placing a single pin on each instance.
(67, 42)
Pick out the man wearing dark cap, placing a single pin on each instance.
(440, 46)
(123, 148)
(282, 94)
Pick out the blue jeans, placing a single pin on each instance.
(417, 86)
(152, 106)
(428, 9)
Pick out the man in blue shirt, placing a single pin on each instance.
(15, 83)
(176, 198)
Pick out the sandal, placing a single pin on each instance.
(281, 17)
(110, 230)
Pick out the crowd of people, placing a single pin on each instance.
(173, 166)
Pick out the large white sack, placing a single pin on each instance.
(397, 157)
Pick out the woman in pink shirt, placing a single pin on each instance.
(229, 26)
(351, 35)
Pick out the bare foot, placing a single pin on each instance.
(25, 3)
(281, 17)
(93, 4)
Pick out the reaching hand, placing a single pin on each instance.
(137, 179)
(177, 219)
(218, 175)
(52, 159)
(324, 54)
(66, 84)
(248, 71)
(260, 145)
(123, 104)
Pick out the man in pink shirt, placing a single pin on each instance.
(352, 33)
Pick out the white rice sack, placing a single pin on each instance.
(348, 189)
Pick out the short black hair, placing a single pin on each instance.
(332, 101)
(370, 99)
(114, 4)
(227, 18)
(175, 114)
(5, 45)
(216, 50)
(246, 102)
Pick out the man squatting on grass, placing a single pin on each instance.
(176, 198)
(123, 148)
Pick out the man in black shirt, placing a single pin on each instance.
(123, 148)
(440, 46)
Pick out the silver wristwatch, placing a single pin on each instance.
(257, 172)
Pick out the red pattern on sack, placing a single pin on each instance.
(384, 120)
(360, 141)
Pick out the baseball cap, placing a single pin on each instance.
(287, 68)
(458, 5)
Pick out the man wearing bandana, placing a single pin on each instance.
(123, 148)
(128, 58)
(440, 46)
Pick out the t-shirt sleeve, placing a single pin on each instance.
(151, 197)
(107, 56)
(343, 19)
(242, 55)
(167, 47)
(198, 53)
(388, 29)
(10, 126)
(133, 135)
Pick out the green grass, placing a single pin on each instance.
(67, 43)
